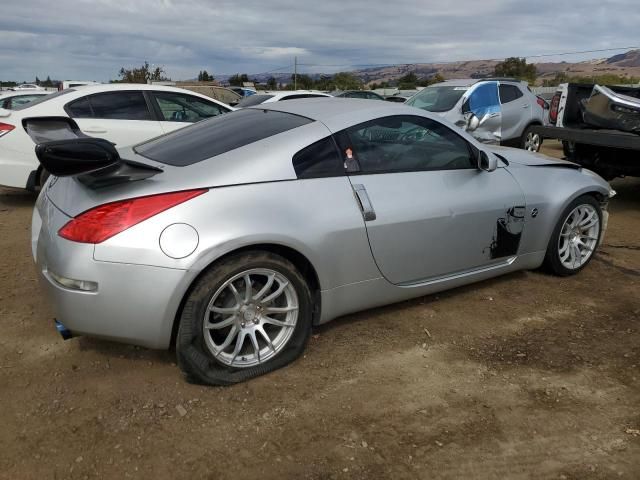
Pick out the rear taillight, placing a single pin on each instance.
(103, 222)
(553, 110)
(5, 128)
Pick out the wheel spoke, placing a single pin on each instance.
(225, 311)
(280, 309)
(223, 324)
(247, 286)
(266, 287)
(275, 294)
(266, 337)
(587, 219)
(227, 341)
(239, 344)
(235, 292)
(279, 323)
(254, 341)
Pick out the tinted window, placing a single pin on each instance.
(218, 135)
(301, 95)
(120, 106)
(437, 98)
(178, 107)
(22, 99)
(253, 100)
(509, 93)
(403, 143)
(44, 98)
(320, 159)
(80, 108)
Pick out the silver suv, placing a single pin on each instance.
(496, 110)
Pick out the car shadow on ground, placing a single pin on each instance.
(112, 349)
(16, 198)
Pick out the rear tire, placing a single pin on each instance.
(229, 333)
(530, 141)
(575, 237)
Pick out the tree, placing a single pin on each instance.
(346, 81)
(304, 82)
(143, 74)
(204, 76)
(37, 80)
(408, 81)
(517, 68)
(237, 80)
(272, 84)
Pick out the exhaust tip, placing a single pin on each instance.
(64, 332)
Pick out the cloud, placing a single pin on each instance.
(93, 39)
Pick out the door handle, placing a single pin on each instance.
(526, 105)
(494, 115)
(95, 130)
(365, 203)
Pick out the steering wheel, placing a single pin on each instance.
(413, 135)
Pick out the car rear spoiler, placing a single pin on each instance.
(64, 151)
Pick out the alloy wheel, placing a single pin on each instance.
(578, 236)
(250, 318)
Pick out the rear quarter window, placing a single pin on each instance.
(218, 135)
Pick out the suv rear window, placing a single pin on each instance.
(218, 135)
(255, 99)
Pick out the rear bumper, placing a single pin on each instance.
(134, 304)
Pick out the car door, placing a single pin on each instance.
(429, 211)
(122, 117)
(483, 102)
(516, 111)
(177, 110)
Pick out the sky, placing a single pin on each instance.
(93, 39)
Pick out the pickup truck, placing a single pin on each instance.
(599, 127)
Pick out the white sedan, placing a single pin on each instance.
(125, 114)
(269, 97)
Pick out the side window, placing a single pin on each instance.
(301, 95)
(80, 108)
(483, 100)
(23, 100)
(509, 93)
(403, 143)
(320, 159)
(120, 106)
(177, 107)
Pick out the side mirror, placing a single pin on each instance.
(487, 162)
(474, 122)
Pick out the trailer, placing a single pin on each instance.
(579, 116)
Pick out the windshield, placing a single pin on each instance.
(44, 98)
(437, 98)
(253, 100)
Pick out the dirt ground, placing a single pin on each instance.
(525, 376)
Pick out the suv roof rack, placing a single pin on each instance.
(500, 79)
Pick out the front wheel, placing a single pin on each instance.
(248, 315)
(575, 237)
(530, 140)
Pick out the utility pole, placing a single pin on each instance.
(295, 73)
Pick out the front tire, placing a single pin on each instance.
(248, 315)
(575, 237)
(530, 141)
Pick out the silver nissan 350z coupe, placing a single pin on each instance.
(231, 238)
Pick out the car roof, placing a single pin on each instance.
(294, 92)
(20, 93)
(467, 82)
(338, 113)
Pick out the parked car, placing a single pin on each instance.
(363, 94)
(231, 238)
(11, 100)
(278, 97)
(75, 84)
(505, 110)
(124, 114)
(26, 86)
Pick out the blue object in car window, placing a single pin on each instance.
(484, 100)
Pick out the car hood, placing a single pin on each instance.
(524, 157)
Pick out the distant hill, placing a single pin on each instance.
(627, 64)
